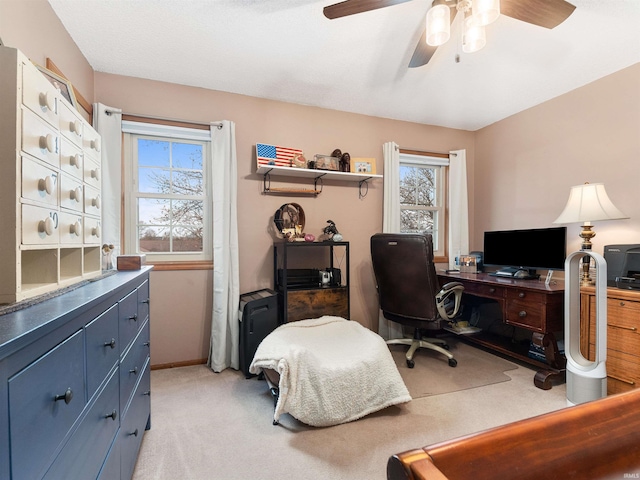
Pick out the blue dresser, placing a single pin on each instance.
(75, 382)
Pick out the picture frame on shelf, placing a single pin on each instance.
(61, 84)
(326, 162)
(363, 165)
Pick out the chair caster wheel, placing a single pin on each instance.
(411, 363)
(453, 362)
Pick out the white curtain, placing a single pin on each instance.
(458, 206)
(390, 220)
(225, 330)
(108, 123)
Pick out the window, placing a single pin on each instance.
(168, 195)
(422, 197)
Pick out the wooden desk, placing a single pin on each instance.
(528, 304)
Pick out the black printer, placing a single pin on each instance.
(623, 265)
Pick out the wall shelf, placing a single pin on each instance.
(316, 175)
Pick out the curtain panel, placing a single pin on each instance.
(225, 330)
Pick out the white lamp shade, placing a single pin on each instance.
(473, 36)
(486, 11)
(438, 25)
(589, 203)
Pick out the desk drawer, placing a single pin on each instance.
(529, 296)
(529, 315)
(483, 290)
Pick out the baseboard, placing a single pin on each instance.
(186, 363)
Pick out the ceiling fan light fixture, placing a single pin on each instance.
(473, 35)
(438, 25)
(486, 11)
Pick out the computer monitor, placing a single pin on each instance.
(530, 250)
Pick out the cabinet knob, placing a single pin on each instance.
(49, 142)
(75, 160)
(134, 433)
(622, 304)
(67, 396)
(76, 228)
(47, 226)
(76, 194)
(134, 317)
(522, 314)
(113, 415)
(146, 344)
(46, 184)
(134, 370)
(492, 290)
(521, 294)
(95, 202)
(48, 100)
(111, 344)
(146, 301)
(147, 393)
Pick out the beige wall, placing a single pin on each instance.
(314, 130)
(520, 169)
(526, 164)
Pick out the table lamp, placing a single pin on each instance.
(588, 203)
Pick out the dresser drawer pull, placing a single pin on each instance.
(134, 433)
(622, 304)
(146, 344)
(68, 395)
(521, 294)
(113, 415)
(522, 314)
(134, 317)
(633, 329)
(492, 290)
(147, 393)
(111, 344)
(145, 301)
(134, 370)
(628, 382)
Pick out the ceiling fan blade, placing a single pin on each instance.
(544, 13)
(423, 52)
(351, 7)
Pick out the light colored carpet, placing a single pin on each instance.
(217, 426)
(432, 374)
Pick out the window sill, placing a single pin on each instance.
(185, 265)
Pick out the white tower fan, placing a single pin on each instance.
(586, 379)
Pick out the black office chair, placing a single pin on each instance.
(409, 292)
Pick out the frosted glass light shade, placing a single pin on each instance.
(473, 36)
(589, 203)
(438, 25)
(486, 11)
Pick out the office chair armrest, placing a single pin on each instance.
(443, 298)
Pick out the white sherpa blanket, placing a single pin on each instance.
(331, 370)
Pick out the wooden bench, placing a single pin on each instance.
(595, 440)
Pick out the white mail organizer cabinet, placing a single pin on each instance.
(49, 185)
(75, 382)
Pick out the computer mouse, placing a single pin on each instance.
(521, 274)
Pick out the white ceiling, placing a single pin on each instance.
(287, 50)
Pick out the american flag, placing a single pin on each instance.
(278, 156)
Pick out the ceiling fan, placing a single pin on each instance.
(544, 13)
